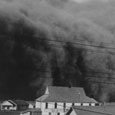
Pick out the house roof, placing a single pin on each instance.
(29, 110)
(87, 99)
(10, 112)
(65, 94)
(94, 110)
(18, 102)
(31, 102)
(19, 112)
(10, 103)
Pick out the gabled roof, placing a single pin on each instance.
(18, 102)
(94, 110)
(8, 103)
(65, 94)
(87, 99)
(43, 98)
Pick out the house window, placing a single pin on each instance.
(85, 104)
(78, 104)
(64, 105)
(96, 104)
(55, 105)
(34, 106)
(58, 113)
(72, 104)
(8, 107)
(30, 113)
(46, 105)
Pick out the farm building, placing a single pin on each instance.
(58, 100)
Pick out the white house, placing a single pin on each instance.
(58, 100)
(8, 105)
(14, 105)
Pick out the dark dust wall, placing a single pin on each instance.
(68, 44)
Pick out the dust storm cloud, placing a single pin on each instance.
(61, 43)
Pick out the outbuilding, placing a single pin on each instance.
(58, 100)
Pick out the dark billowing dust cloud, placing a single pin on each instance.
(50, 42)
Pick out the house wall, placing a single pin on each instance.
(68, 105)
(13, 108)
(31, 106)
(77, 104)
(51, 105)
(22, 107)
(38, 104)
(92, 104)
(52, 108)
(59, 108)
(85, 104)
(8, 108)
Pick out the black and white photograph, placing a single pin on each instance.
(57, 57)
